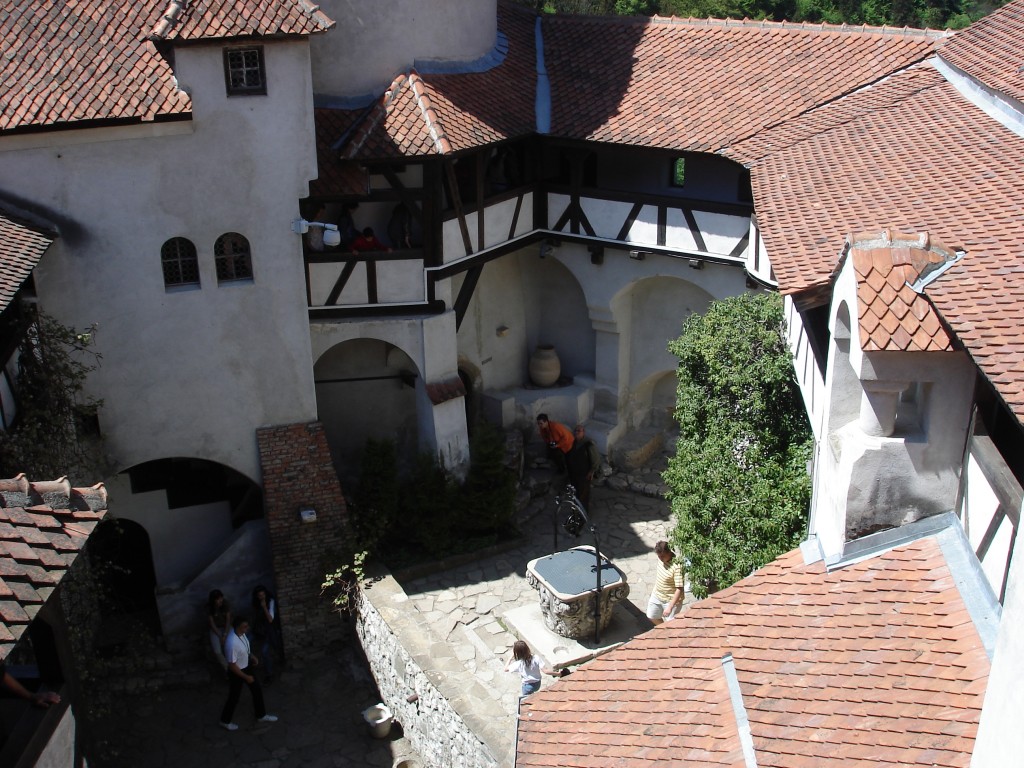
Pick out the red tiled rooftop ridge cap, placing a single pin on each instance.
(893, 314)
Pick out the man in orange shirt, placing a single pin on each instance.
(558, 438)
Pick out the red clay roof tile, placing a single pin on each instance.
(36, 550)
(886, 670)
(990, 50)
(23, 240)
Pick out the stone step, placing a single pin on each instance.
(637, 448)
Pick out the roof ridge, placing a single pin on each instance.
(169, 19)
(800, 25)
(435, 127)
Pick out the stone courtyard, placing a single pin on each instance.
(320, 699)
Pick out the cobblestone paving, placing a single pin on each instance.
(320, 700)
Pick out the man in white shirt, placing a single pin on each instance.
(239, 655)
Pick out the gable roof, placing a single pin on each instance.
(438, 114)
(877, 663)
(67, 64)
(43, 528)
(23, 241)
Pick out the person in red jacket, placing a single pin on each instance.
(558, 439)
(367, 241)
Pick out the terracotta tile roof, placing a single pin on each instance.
(874, 664)
(81, 60)
(191, 20)
(702, 85)
(443, 391)
(23, 242)
(443, 113)
(892, 315)
(336, 178)
(990, 50)
(43, 527)
(900, 151)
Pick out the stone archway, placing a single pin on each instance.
(121, 557)
(367, 389)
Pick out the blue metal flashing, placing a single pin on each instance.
(970, 580)
(740, 711)
(975, 591)
(489, 60)
(542, 103)
(326, 101)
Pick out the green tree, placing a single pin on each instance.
(50, 435)
(738, 483)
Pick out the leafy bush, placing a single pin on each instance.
(48, 437)
(738, 483)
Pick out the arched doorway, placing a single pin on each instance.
(121, 560)
(367, 389)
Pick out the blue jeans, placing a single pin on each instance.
(530, 686)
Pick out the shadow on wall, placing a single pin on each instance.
(557, 314)
(366, 388)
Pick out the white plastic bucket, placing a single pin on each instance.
(379, 718)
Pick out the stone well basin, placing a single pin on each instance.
(567, 582)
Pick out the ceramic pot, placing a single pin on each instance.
(545, 367)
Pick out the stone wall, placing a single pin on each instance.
(297, 474)
(448, 721)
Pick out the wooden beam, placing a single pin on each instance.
(433, 187)
(663, 225)
(630, 221)
(371, 281)
(339, 285)
(741, 246)
(453, 191)
(691, 222)
(466, 293)
(410, 202)
(515, 218)
(481, 219)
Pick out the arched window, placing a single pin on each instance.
(180, 263)
(231, 253)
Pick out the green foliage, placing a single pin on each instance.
(47, 439)
(738, 483)
(428, 500)
(376, 501)
(486, 500)
(932, 14)
(342, 584)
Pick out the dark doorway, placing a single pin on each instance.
(122, 560)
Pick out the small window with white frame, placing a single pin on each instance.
(232, 258)
(180, 263)
(244, 73)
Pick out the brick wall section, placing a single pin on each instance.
(297, 472)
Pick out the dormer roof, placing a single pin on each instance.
(893, 313)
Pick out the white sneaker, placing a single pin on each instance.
(267, 719)
(230, 726)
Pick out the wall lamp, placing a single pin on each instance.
(332, 237)
(696, 264)
(638, 255)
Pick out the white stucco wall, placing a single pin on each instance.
(376, 39)
(183, 540)
(241, 167)
(60, 749)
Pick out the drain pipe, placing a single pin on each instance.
(542, 103)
